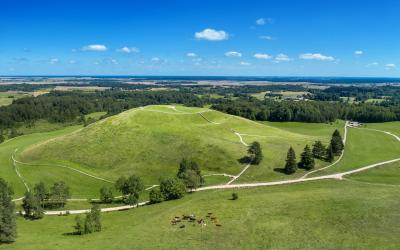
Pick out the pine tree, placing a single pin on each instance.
(255, 153)
(291, 165)
(329, 154)
(319, 150)
(336, 143)
(307, 160)
(8, 227)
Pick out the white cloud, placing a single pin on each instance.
(212, 35)
(282, 58)
(390, 65)
(113, 61)
(54, 60)
(233, 54)
(245, 63)
(316, 56)
(269, 38)
(72, 61)
(358, 52)
(262, 56)
(372, 64)
(260, 21)
(197, 59)
(155, 59)
(95, 47)
(263, 21)
(191, 54)
(128, 50)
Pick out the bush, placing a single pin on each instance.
(172, 188)
(155, 196)
(235, 196)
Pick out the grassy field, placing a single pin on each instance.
(151, 142)
(6, 98)
(393, 127)
(365, 147)
(383, 175)
(315, 215)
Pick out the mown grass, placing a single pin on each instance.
(393, 127)
(315, 215)
(386, 174)
(365, 147)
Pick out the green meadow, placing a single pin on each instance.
(315, 215)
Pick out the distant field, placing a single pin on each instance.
(315, 215)
(82, 88)
(6, 98)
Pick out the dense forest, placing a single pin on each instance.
(306, 111)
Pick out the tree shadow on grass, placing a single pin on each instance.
(244, 160)
(280, 170)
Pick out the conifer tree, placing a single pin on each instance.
(329, 154)
(291, 165)
(8, 227)
(307, 160)
(319, 150)
(336, 143)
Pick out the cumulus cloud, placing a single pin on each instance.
(155, 59)
(245, 63)
(212, 35)
(282, 58)
(358, 52)
(191, 54)
(128, 50)
(262, 56)
(233, 54)
(95, 47)
(263, 21)
(54, 60)
(316, 56)
(390, 65)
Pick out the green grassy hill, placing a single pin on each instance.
(150, 142)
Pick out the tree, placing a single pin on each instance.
(79, 225)
(32, 207)
(8, 227)
(41, 193)
(106, 195)
(329, 154)
(189, 172)
(155, 196)
(255, 153)
(59, 193)
(130, 188)
(92, 222)
(307, 160)
(336, 143)
(172, 188)
(319, 150)
(2, 139)
(291, 166)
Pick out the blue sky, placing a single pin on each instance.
(257, 38)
